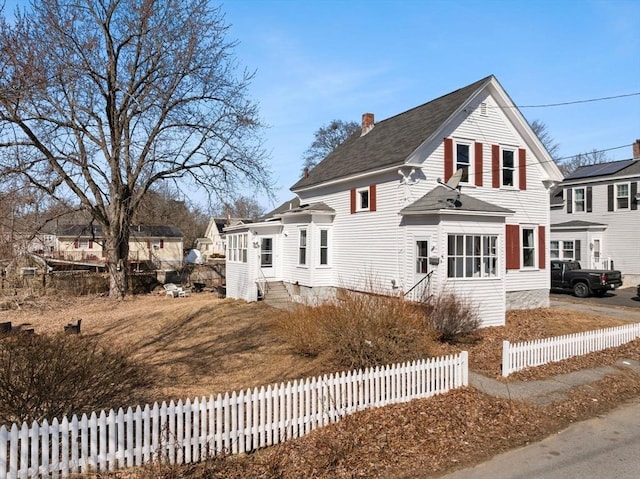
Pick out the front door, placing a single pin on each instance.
(267, 256)
(596, 253)
(421, 269)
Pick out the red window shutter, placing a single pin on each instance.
(353, 200)
(75, 244)
(372, 198)
(522, 168)
(512, 241)
(542, 246)
(478, 163)
(448, 158)
(161, 243)
(90, 244)
(495, 166)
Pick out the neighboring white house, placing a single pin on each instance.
(214, 242)
(595, 217)
(373, 215)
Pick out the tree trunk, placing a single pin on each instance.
(117, 263)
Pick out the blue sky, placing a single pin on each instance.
(316, 61)
(319, 60)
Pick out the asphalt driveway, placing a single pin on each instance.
(625, 297)
(622, 304)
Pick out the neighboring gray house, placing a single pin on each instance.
(595, 217)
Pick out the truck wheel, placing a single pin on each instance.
(581, 290)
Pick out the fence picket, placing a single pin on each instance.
(188, 431)
(522, 355)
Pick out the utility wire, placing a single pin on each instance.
(580, 101)
(565, 103)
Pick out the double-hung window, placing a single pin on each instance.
(554, 249)
(508, 167)
(528, 247)
(578, 200)
(567, 250)
(463, 160)
(302, 247)
(472, 256)
(324, 247)
(622, 196)
(362, 198)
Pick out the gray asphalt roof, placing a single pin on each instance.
(576, 224)
(312, 207)
(95, 231)
(441, 198)
(390, 141)
(284, 207)
(611, 169)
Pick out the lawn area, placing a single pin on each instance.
(203, 345)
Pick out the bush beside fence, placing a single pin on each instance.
(233, 423)
(543, 351)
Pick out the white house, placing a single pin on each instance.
(595, 217)
(214, 242)
(374, 215)
(154, 247)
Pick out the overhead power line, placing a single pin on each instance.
(580, 101)
(594, 151)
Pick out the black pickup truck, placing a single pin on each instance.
(583, 282)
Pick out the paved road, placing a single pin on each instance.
(605, 447)
(625, 297)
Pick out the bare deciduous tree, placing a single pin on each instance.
(592, 157)
(241, 207)
(102, 99)
(541, 130)
(326, 139)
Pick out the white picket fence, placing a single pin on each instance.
(523, 355)
(234, 423)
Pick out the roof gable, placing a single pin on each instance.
(391, 141)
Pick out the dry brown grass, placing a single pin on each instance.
(203, 345)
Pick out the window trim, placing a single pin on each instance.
(575, 201)
(421, 260)
(325, 247)
(471, 168)
(360, 192)
(237, 245)
(303, 248)
(492, 256)
(514, 168)
(534, 249)
(617, 196)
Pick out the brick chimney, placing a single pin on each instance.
(367, 123)
(636, 149)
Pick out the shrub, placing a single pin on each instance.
(361, 330)
(450, 316)
(51, 376)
